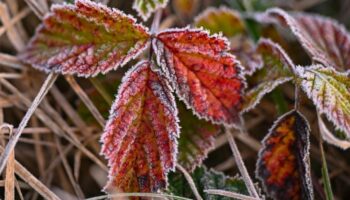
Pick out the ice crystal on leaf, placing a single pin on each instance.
(229, 23)
(207, 78)
(277, 70)
(330, 92)
(283, 163)
(85, 39)
(324, 39)
(140, 138)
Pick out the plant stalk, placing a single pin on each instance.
(240, 164)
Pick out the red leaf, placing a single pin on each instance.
(140, 138)
(324, 39)
(85, 39)
(283, 163)
(206, 78)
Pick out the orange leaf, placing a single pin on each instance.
(283, 163)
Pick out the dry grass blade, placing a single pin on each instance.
(88, 103)
(68, 170)
(10, 61)
(230, 194)
(14, 20)
(12, 33)
(10, 175)
(13, 140)
(32, 181)
(38, 7)
(240, 164)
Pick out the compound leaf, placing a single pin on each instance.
(230, 24)
(196, 140)
(330, 92)
(146, 7)
(205, 76)
(324, 39)
(85, 39)
(277, 70)
(283, 163)
(140, 138)
(206, 179)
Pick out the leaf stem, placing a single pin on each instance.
(240, 164)
(190, 181)
(14, 139)
(325, 177)
(297, 97)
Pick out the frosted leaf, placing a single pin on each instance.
(283, 164)
(323, 38)
(330, 92)
(86, 38)
(276, 71)
(229, 23)
(140, 138)
(207, 78)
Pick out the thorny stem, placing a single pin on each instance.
(240, 164)
(190, 182)
(14, 139)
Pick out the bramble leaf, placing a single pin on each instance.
(221, 20)
(230, 24)
(324, 39)
(283, 163)
(85, 39)
(140, 138)
(331, 138)
(277, 70)
(205, 179)
(197, 138)
(330, 92)
(205, 76)
(146, 7)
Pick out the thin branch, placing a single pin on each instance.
(240, 164)
(230, 194)
(13, 140)
(190, 181)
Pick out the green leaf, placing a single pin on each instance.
(277, 70)
(86, 39)
(146, 7)
(196, 139)
(330, 92)
(205, 179)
